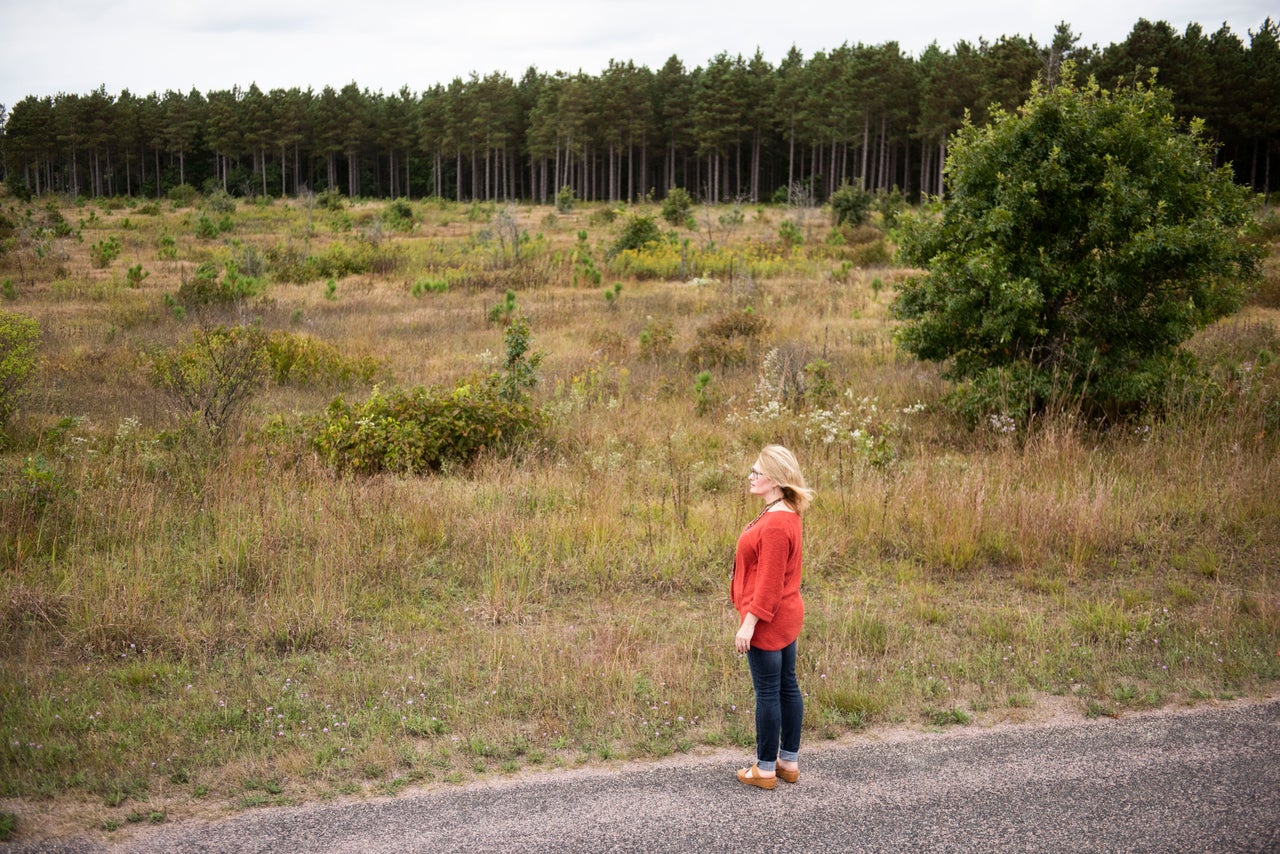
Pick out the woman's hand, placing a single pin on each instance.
(742, 640)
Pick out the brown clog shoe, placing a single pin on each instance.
(751, 777)
(791, 775)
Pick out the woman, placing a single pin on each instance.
(766, 593)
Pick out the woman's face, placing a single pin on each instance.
(759, 483)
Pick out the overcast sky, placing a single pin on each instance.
(75, 46)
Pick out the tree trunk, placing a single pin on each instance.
(791, 160)
(739, 165)
(942, 164)
(1266, 174)
(755, 167)
(883, 176)
(815, 167)
(866, 146)
(558, 176)
(924, 168)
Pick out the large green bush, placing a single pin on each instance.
(19, 342)
(677, 206)
(183, 195)
(301, 360)
(212, 380)
(637, 232)
(399, 215)
(422, 429)
(208, 287)
(850, 205)
(336, 261)
(1085, 237)
(432, 429)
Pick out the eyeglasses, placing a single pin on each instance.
(755, 473)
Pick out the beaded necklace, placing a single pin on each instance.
(762, 512)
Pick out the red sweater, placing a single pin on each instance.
(766, 579)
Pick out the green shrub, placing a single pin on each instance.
(585, 271)
(219, 202)
(850, 204)
(43, 484)
(656, 339)
(855, 235)
(183, 195)
(206, 288)
(212, 380)
(18, 188)
(677, 206)
(789, 234)
(399, 215)
(727, 340)
(819, 391)
(102, 253)
(337, 261)
(890, 205)
(502, 312)
(481, 211)
(300, 360)
(208, 229)
(611, 295)
(606, 215)
(639, 232)
(19, 341)
(565, 200)
(167, 248)
(54, 222)
(873, 254)
(421, 430)
(519, 373)
(429, 286)
(704, 395)
(331, 200)
(250, 261)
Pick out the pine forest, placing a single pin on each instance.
(733, 129)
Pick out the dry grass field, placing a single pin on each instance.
(193, 621)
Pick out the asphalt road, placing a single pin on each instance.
(1203, 780)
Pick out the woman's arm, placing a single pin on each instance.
(768, 582)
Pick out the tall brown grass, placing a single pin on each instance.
(183, 619)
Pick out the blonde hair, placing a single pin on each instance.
(780, 466)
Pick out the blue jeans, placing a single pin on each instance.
(779, 706)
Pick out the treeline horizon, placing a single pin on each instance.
(734, 129)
